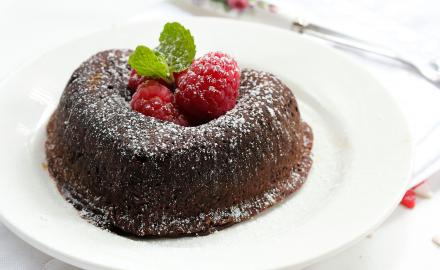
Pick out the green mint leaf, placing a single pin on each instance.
(149, 63)
(177, 46)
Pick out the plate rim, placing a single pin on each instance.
(87, 264)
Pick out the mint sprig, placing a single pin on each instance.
(175, 53)
(177, 45)
(149, 63)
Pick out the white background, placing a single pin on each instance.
(404, 241)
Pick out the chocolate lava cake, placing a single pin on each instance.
(141, 176)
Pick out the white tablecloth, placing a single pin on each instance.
(28, 28)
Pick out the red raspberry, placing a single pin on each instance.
(135, 80)
(156, 100)
(209, 88)
(409, 199)
(177, 75)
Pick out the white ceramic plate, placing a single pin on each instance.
(361, 157)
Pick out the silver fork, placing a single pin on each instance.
(430, 71)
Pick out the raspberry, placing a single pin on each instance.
(409, 199)
(156, 100)
(135, 80)
(238, 4)
(209, 88)
(177, 75)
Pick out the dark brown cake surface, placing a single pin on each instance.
(141, 176)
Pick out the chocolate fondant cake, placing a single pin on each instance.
(141, 176)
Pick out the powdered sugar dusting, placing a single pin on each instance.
(111, 123)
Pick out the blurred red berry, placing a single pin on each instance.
(409, 199)
(238, 4)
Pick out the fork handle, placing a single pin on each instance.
(348, 41)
